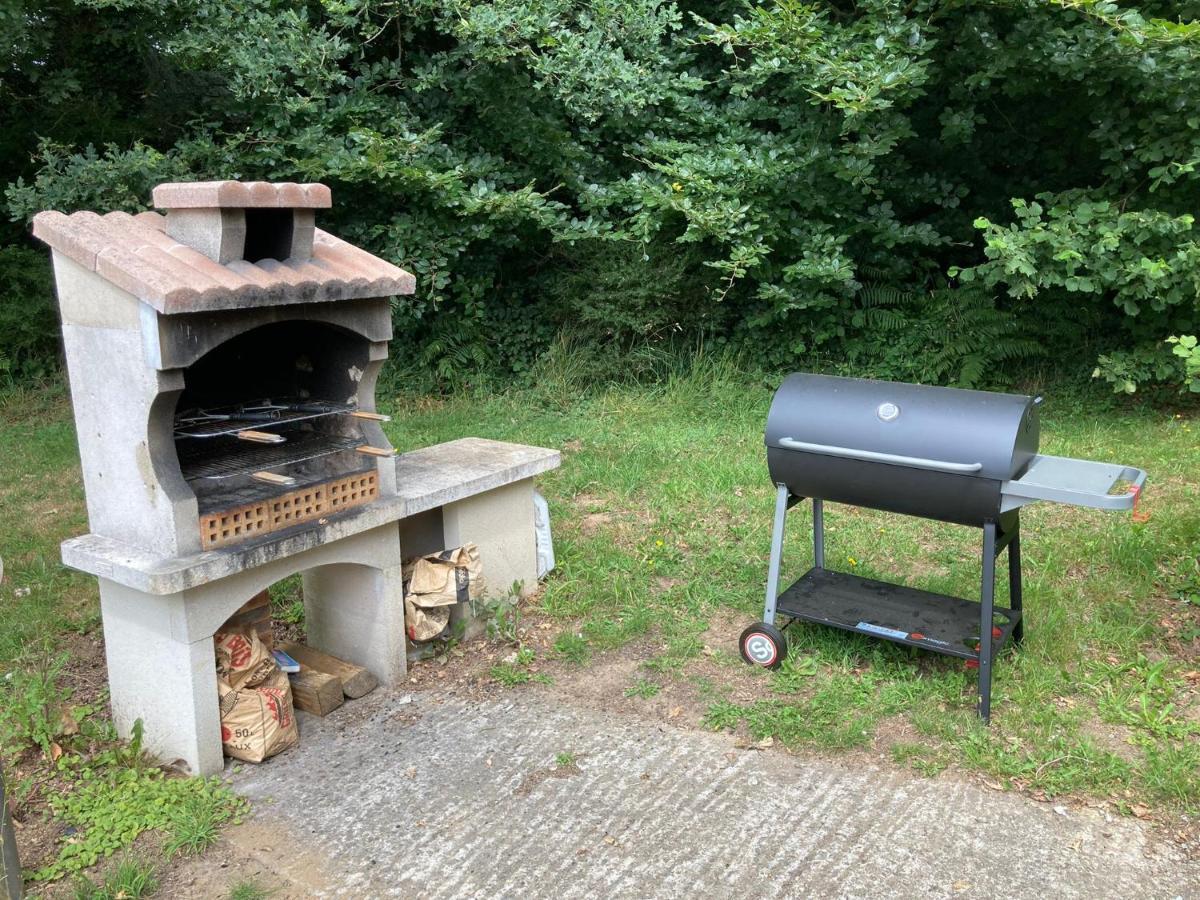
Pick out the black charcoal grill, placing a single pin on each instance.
(967, 457)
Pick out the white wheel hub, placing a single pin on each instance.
(761, 649)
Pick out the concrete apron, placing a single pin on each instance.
(467, 801)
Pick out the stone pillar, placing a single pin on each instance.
(161, 674)
(501, 523)
(356, 613)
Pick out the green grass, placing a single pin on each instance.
(194, 823)
(41, 503)
(643, 689)
(662, 511)
(572, 647)
(129, 879)
(249, 890)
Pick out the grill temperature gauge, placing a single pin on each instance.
(887, 411)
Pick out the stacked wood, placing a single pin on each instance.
(316, 692)
(256, 614)
(356, 681)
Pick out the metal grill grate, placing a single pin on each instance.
(203, 460)
(226, 420)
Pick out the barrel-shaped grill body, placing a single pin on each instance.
(940, 453)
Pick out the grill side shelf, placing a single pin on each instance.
(916, 618)
(1076, 482)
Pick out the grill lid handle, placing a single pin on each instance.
(914, 462)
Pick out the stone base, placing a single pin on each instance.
(160, 654)
(160, 614)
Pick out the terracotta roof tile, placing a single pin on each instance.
(241, 194)
(135, 254)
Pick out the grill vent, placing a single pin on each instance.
(293, 508)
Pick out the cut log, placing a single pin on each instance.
(316, 692)
(356, 681)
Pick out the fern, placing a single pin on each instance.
(944, 336)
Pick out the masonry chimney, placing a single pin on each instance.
(251, 221)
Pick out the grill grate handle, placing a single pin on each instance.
(914, 462)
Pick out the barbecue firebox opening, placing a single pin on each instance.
(268, 432)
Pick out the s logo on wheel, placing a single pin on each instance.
(761, 649)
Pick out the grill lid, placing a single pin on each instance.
(978, 433)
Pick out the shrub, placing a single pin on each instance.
(28, 319)
(641, 170)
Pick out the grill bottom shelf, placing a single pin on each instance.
(936, 622)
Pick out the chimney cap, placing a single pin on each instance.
(241, 195)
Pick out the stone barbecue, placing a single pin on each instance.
(223, 359)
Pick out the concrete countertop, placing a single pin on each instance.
(427, 478)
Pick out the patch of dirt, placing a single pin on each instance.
(86, 672)
(892, 731)
(590, 502)
(1112, 738)
(593, 522)
(530, 782)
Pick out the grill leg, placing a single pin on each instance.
(781, 505)
(1014, 585)
(987, 601)
(818, 533)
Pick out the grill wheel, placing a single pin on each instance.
(763, 645)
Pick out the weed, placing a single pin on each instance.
(504, 619)
(508, 674)
(32, 701)
(794, 673)
(1188, 588)
(129, 879)
(249, 890)
(194, 823)
(565, 759)
(287, 600)
(643, 689)
(572, 647)
(111, 802)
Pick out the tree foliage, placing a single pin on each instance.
(1022, 173)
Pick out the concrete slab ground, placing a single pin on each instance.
(430, 796)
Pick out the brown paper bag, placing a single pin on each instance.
(242, 659)
(258, 722)
(435, 583)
